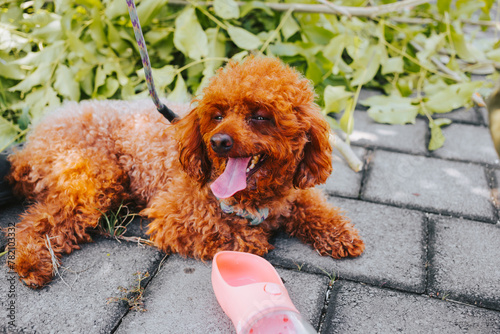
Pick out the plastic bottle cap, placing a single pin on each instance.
(272, 289)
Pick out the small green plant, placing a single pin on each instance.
(444, 296)
(133, 296)
(332, 276)
(299, 266)
(114, 223)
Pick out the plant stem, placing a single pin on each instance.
(196, 62)
(204, 11)
(277, 30)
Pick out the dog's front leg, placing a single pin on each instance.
(314, 221)
(197, 227)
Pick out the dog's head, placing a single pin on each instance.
(256, 128)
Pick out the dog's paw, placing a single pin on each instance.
(347, 244)
(34, 265)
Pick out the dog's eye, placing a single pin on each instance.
(260, 118)
(218, 118)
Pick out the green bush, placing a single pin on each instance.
(58, 50)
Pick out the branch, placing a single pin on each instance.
(346, 151)
(442, 67)
(329, 8)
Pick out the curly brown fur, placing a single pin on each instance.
(89, 157)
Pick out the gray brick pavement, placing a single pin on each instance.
(430, 184)
(468, 143)
(395, 252)
(182, 293)
(344, 181)
(77, 302)
(406, 138)
(358, 308)
(464, 261)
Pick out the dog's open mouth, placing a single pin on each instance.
(234, 177)
(255, 163)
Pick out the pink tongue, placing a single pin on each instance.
(233, 179)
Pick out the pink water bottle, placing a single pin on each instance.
(251, 293)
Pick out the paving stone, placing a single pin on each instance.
(429, 184)
(79, 303)
(465, 261)
(180, 299)
(468, 143)
(395, 248)
(409, 138)
(361, 309)
(344, 181)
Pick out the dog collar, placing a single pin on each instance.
(253, 219)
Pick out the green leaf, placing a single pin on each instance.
(391, 109)
(189, 36)
(148, 9)
(115, 40)
(243, 39)
(437, 137)
(431, 47)
(65, 83)
(442, 121)
(494, 55)
(452, 97)
(81, 49)
(317, 34)
(41, 75)
(443, 6)
(251, 5)
(96, 29)
(336, 98)
(180, 93)
(227, 9)
(393, 65)
(240, 56)
(50, 33)
(314, 71)
(115, 9)
(157, 35)
(463, 48)
(109, 88)
(466, 8)
(286, 49)
(162, 76)
(366, 66)
(290, 28)
(41, 100)
(11, 71)
(347, 119)
(8, 131)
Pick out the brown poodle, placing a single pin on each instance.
(239, 166)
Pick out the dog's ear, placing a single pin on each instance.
(316, 163)
(192, 151)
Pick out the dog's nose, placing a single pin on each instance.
(221, 142)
